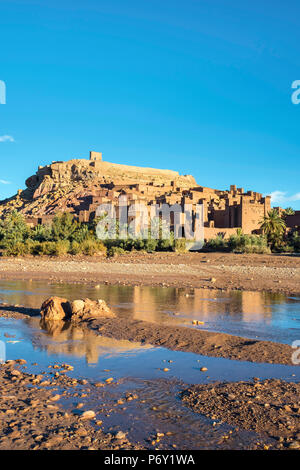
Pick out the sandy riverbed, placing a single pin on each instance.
(274, 273)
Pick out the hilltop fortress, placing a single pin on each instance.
(79, 186)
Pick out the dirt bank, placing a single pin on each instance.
(271, 407)
(32, 418)
(178, 338)
(195, 340)
(274, 273)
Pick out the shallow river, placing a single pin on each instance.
(140, 367)
(262, 315)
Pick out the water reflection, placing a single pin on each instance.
(253, 314)
(64, 338)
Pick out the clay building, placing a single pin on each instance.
(79, 186)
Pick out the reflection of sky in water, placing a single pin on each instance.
(261, 315)
(91, 356)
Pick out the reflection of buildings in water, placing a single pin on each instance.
(254, 307)
(152, 304)
(62, 338)
(155, 304)
(247, 306)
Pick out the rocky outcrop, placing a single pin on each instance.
(89, 309)
(57, 309)
(76, 185)
(80, 170)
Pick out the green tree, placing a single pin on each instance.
(289, 211)
(273, 226)
(13, 228)
(64, 226)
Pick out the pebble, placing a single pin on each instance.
(120, 435)
(294, 445)
(90, 414)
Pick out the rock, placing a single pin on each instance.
(55, 398)
(21, 361)
(77, 306)
(90, 414)
(83, 309)
(294, 445)
(120, 435)
(55, 309)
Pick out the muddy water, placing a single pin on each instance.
(260, 315)
(139, 368)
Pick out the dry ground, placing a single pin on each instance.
(275, 273)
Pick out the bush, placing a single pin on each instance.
(75, 248)
(180, 245)
(115, 250)
(49, 248)
(150, 245)
(63, 227)
(239, 243)
(13, 229)
(16, 249)
(41, 233)
(295, 242)
(92, 247)
(216, 244)
(61, 247)
(81, 234)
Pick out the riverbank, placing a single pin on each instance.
(53, 410)
(33, 419)
(175, 338)
(271, 407)
(224, 271)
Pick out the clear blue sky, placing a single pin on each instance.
(199, 86)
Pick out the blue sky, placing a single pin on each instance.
(198, 86)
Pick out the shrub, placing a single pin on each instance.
(49, 248)
(216, 244)
(89, 247)
(101, 248)
(180, 245)
(92, 247)
(150, 245)
(63, 227)
(61, 247)
(81, 234)
(16, 249)
(41, 233)
(115, 250)
(165, 245)
(75, 248)
(13, 229)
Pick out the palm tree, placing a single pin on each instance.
(288, 211)
(273, 226)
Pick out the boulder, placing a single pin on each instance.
(55, 309)
(77, 306)
(88, 309)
